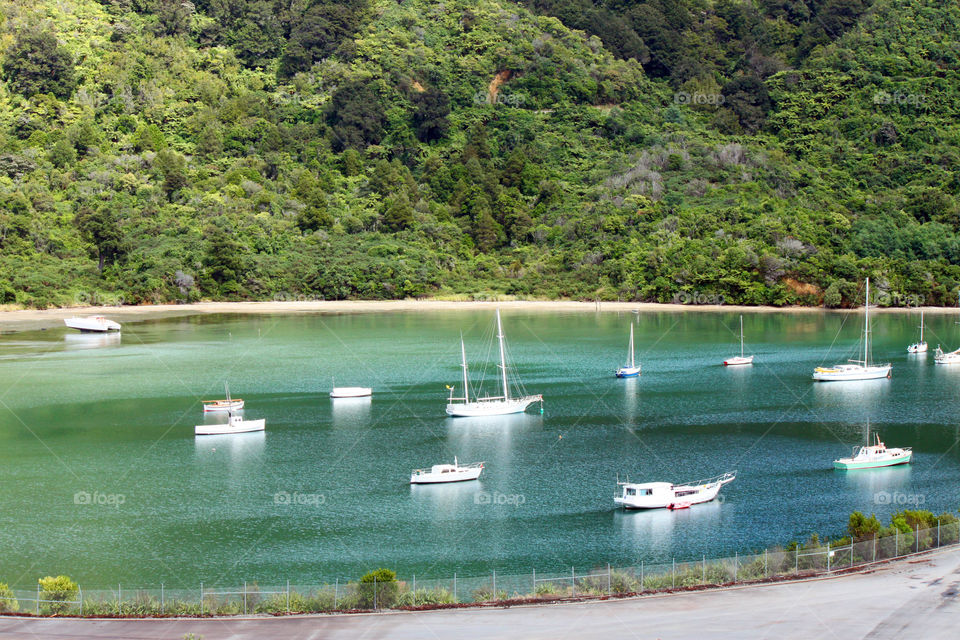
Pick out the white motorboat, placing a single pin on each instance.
(873, 456)
(664, 495)
(741, 359)
(234, 424)
(950, 357)
(631, 369)
(97, 324)
(920, 346)
(351, 392)
(227, 404)
(503, 404)
(455, 472)
(856, 369)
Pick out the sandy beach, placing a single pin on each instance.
(32, 319)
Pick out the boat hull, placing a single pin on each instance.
(92, 325)
(628, 372)
(226, 429)
(738, 361)
(844, 375)
(491, 407)
(917, 348)
(843, 465)
(235, 405)
(351, 392)
(443, 478)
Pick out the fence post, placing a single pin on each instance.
(938, 533)
(703, 570)
(896, 542)
(374, 593)
(336, 592)
(609, 591)
(534, 581)
(851, 553)
(673, 573)
(796, 561)
(917, 536)
(414, 589)
(455, 586)
(573, 581)
(494, 585)
(38, 598)
(764, 563)
(201, 598)
(641, 576)
(828, 557)
(244, 597)
(736, 565)
(874, 547)
(119, 600)
(288, 595)
(162, 608)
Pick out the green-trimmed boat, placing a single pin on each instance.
(873, 456)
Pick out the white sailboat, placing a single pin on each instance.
(856, 369)
(500, 405)
(234, 424)
(228, 404)
(631, 369)
(921, 346)
(741, 359)
(953, 357)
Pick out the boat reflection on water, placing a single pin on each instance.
(235, 447)
(351, 412)
(654, 532)
(883, 486)
(852, 391)
(447, 497)
(73, 341)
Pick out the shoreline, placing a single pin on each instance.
(32, 319)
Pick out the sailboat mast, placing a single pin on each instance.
(503, 358)
(463, 357)
(741, 336)
(226, 388)
(866, 328)
(921, 325)
(631, 347)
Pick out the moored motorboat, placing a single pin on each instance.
(664, 495)
(873, 456)
(631, 369)
(439, 473)
(97, 324)
(234, 424)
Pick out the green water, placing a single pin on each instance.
(114, 416)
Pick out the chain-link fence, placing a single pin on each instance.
(803, 560)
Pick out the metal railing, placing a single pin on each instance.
(804, 560)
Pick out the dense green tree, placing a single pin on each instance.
(36, 63)
(355, 116)
(431, 108)
(101, 227)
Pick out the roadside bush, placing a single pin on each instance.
(8, 603)
(59, 591)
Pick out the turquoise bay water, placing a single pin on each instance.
(113, 417)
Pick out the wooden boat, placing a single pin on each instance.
(227, 404)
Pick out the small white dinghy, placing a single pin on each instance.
(740, 359)
(663, 495)
(234, 424)
(455, 472)
(351, 392)
(97, 324)
(229, 404)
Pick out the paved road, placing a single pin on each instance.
(909, 599)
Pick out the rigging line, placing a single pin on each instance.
(846, 316)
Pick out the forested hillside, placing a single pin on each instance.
(765, 151)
